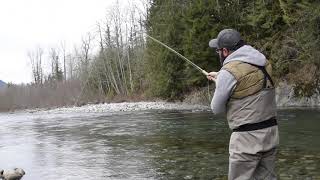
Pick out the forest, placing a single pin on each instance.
(118, 62)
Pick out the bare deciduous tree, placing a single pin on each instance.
(35, 58)
(63, 49)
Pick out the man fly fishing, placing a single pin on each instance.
(245, 93)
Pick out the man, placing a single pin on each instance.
(245, 92)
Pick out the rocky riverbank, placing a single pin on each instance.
(198, 100)
(124, 107)
(285, 97)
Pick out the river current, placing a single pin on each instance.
(154, 144)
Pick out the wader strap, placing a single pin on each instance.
(256, 126)
(266, 75)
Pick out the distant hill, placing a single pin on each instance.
(2, 84)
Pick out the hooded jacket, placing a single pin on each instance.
(254, 108)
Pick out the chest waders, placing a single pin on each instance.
(251, 112)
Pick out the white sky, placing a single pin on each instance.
(26, 24)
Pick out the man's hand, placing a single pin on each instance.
(212, 76)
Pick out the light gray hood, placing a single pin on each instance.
(226, 82)
(247, 54)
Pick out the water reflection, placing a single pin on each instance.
(145, 145)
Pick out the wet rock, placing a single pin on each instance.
(286, 98)
(15, 174)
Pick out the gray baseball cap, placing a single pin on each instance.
(227, 38)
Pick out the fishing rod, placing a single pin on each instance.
(172, 50)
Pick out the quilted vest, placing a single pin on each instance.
(253, 98)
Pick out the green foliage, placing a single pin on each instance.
(286, 31)
(307, 35)
(164, 69)
(200, 24)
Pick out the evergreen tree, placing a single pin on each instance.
(286, 31)
(165, 69)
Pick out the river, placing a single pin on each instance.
(154, 144)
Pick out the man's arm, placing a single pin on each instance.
(225, 84)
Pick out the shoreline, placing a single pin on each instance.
(198, 100)
(135, 107)
(120, 107)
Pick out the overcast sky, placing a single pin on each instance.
(26, 24)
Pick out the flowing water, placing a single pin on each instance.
(145, 145)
